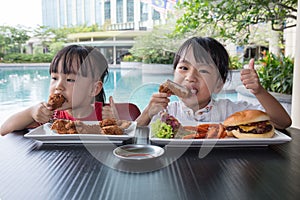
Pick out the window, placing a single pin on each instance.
(97, 8)
(155, 15)
(144, 12)
(107, 10)
(130, 11)
(119, 11)
(79, 12)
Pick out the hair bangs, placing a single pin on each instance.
(71, 61)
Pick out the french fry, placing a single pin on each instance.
(190, 128)
(221, 131)
(208, 131)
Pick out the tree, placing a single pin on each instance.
(59, 36)
(157, 46)
(19, 36)
(231, 17)
(44, 34)
(13, 38)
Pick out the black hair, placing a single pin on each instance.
(215, 49)
(85, 60)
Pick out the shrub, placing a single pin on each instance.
(42, 57)
(128, 58)
(276, 73)
(28, 58)
(159, 57)
(131, 58)
(235, 63)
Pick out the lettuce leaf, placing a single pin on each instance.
(161, 129)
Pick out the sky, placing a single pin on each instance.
(21, 12)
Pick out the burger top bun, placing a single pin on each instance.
(246, 117)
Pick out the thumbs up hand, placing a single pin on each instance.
(250, 78)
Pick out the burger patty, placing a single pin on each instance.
(254, 128)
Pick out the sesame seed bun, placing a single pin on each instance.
(246, 117)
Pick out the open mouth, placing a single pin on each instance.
(194, 91)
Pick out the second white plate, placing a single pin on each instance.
(46, 135)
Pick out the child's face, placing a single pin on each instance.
(75, 88)
(201, 78)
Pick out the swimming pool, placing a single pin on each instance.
(23, 86)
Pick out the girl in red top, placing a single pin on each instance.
(77, 72)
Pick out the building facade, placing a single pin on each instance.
(121, 21)
(116, 14)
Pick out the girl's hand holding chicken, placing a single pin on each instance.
(41, 113)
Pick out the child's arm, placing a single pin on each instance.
(274, 109)
(158, 102)
(21, 120)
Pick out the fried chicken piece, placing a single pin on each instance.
(164, 89)
(108, 122)
(56, 101)
(62, 126)
(107, 126)
(112, 130)
(90, 129)
(172, 88)
(123, 124)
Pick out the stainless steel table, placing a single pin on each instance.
(31, 170)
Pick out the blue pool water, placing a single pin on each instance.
(21, 87)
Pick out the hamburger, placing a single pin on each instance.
(249, 124)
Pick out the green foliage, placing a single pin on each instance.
(128, 58)
(235, 63)
(42, 58)
(12, 38)
(17, 58)
(131, 58)
(55, 47)
(28, 58)
(59, 35)
(234, 19)
(159, 57)
(156, 46)
(276, 73)
(37, 50)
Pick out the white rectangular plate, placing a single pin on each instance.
(278, 138)
(46, 135)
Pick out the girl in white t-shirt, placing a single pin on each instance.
(201, 65)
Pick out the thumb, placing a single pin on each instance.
(48, 106)
(251, 63)
(113, 107)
